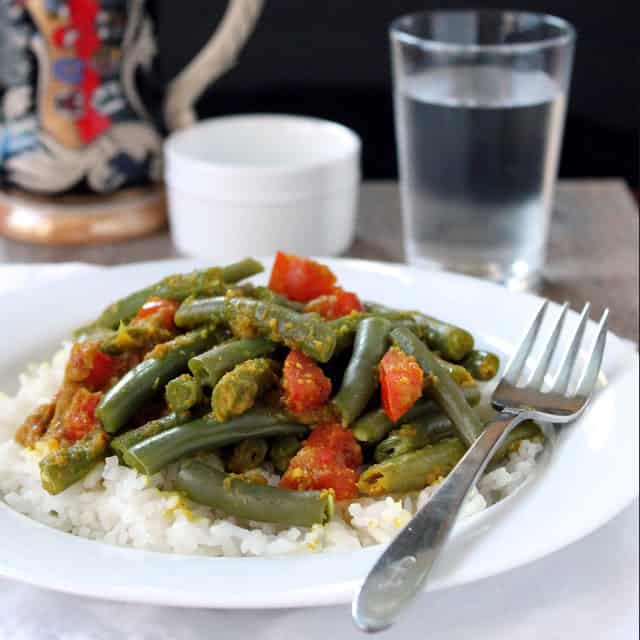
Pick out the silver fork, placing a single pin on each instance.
(404, 566)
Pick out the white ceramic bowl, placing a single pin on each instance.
(252, 184)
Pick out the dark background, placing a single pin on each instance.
(330, 59)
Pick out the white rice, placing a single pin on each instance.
(116, 504)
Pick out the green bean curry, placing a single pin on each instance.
(339, 397)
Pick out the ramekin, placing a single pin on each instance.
(253, 184)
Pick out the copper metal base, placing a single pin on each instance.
(82, 219)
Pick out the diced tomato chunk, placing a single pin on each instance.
(299, 278)
(80, 361)
(304, 383)
(316, 468)
(89, 365)
(335, 437)
(337, 304)
(80, 418)
(328, 460)
(401, 381)
(160, 311)
(104, 366)
(342, 480)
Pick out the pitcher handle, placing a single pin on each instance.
(214, 59)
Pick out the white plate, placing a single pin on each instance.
(592, 475)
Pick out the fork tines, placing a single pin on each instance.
(567, 367)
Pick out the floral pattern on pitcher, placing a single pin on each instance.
(70, 115)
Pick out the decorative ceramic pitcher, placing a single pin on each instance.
(71, 117)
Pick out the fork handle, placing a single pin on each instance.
(404, 566)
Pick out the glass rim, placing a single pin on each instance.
(399, 33)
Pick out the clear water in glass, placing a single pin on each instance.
(478, 149)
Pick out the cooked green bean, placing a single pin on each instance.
(63, 467)
(237, 390)
(147, 430)
(205, 434)
(380, 309)
(375, 425)
(482, 365)
(194, 312)
(442, 389)
(345, 329)
(207, 282)
(282, 450)
(412, 471)
(402, 316)
(527, 430)
(417, 469)
(134, 338)
(149, 377)
(453, 343)
(361, 376)
(266, 295)
(248, 454)
(241, 270)
(426, 429)
(250, 501)
(433, 427)
(460, 375)
(211, 365)
(183, 393)
(307, 332)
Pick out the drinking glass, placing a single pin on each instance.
(479, 100)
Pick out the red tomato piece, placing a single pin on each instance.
(337, 304)
(316, 468)
(401, 381)
(328, 460)
(160, 311)
(299, 278)
(304, 383)
(89, 365)
(343, 481)
(335, 437)
(80, 418)
(80, 361)
(104, 367)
